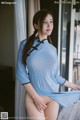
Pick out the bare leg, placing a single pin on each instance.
(51, 112)
(33, 113)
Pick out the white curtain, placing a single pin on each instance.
(33, 6)
(20, 34)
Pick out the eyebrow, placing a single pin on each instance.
(50, 19)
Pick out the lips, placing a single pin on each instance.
(48, 29)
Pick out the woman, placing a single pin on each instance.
(37, 70)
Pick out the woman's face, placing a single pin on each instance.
(47, 26)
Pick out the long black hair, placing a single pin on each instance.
(38, 18)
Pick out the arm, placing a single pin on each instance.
(71, 85)
(59, 79)
(62, 81)
(66, 83)
(30, 90)
(21, 72)
(23, 77)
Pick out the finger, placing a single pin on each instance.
(40, 109)
(44, 105)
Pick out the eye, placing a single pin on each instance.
(45, 22)
(48, 22)
(51, 21)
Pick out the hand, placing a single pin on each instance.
(77, 87)
(40, 103)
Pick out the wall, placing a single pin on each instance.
(6, 35)
(7, 83)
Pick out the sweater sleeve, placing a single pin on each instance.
(60, 80)
(21, 72)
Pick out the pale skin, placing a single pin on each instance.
(42, 107)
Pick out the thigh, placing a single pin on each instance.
(51, 112)
(33, 113)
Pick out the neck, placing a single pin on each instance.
(42, 37)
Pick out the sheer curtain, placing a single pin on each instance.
(23, 15)
(33, 6)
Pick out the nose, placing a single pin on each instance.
(48, 24)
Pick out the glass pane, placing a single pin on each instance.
(65, 38)
(76, 50)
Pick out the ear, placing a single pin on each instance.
(36, 26)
